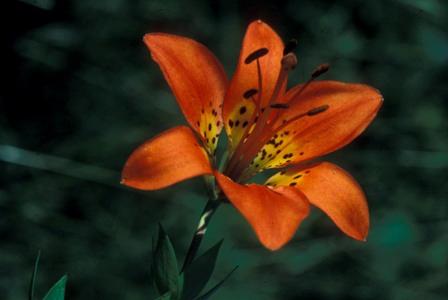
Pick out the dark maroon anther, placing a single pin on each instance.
(290, 46)
(289, 61)
(249, 93)
(317, 110)
(321, 69)
(279, 105)
(256, 55)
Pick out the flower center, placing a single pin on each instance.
(262, 125)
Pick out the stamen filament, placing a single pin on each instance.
(320, 69)
(310, 113)
(250, 144)
(236, 156)
(255, 140)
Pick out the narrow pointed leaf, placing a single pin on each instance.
(164, 267)
(33, 277)
(213, 290)
(199, 272)
(57, 291)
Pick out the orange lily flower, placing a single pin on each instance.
(267, 127)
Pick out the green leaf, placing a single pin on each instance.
(33, 277)
(216, 287)
(166, 296)
(199, 272)
(164, 267)
(57, 291)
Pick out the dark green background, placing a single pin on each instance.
(79, 93)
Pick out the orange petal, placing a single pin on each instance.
(168, 158)
(334, 191)
(258, 35)
(274, 214)
(196, 78)
(351, 107)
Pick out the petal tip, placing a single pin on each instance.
(359, 236)
(147, 37)
(378, 96)
(124, 181)
(272, 246)
(260, 23)
(362, 239)
(150, 38)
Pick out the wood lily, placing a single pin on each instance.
(267, 127)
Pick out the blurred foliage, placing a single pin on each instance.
(79, 93)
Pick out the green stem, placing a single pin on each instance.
(198, 236)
